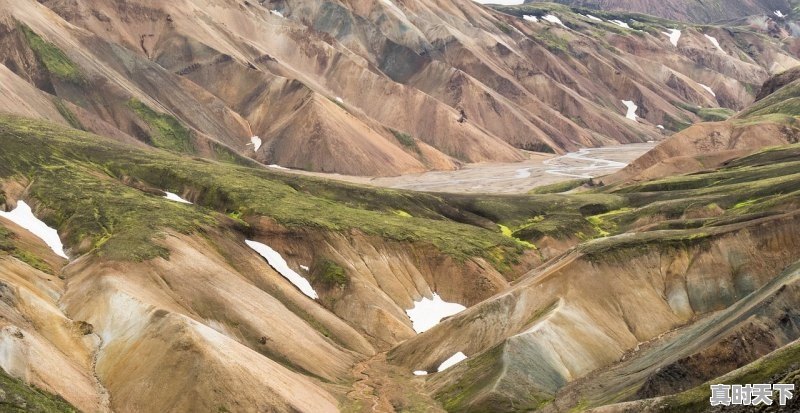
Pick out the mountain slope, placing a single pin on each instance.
(689, 10)
(381, 83)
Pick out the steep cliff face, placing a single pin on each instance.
(371, 88)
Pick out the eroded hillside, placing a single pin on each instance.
(372, 87)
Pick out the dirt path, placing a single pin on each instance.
(382, 388)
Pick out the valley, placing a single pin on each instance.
(396, 206)
(511, 178)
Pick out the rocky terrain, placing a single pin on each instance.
(695, 11)
(373, 88)
(155, 255)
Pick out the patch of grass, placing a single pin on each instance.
(403, 214)
(21, 397)
(559, 187)
(77, 176)
(8, 246)
(67, 114)
(52, 58)
(331, 274)
(166, 131)
(505, 28)
(715, 114)
(405, 139)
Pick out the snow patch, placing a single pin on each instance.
(595, 18)
(340, 100)
(553, 19)
(452, 361)
(277, 13)
(174, 197)
(715, 42)
(429, 312)
(620, 23)
(420, 373)
(275, 166)
(23, 216)
(256, 142)
(660, 126)
(304, 267)
(708, 89)
(674, 36)
(277, 262)
(779, 13)
(631, 109)
(530, 18)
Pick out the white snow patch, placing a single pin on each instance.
(715, 42)
(420, 373)
(555, 20)
(631, 109)
(275, 166)
(338, 99)
(660, 126)
(256, 142)
(277, 262)
(277, 13)
(304, 267)
(429, 312)
(23, 216)
(174, 197)
(674, 36)
(595, 18)
(779, 13)
(708, 89)
(530, 18)
(620, 23)
(452, 361)
(523, 173)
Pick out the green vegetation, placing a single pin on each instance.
(8, 246)
(331, 274)
(715, 114)
(559, 187)
(20, 397)
(52, 58)
(405, 139)
(785, 101)
(166, 131)
(78, 177)
(67, 114)
(780, 366)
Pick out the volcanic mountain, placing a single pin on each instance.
(151, 262)
(694, 11)
(372, 87)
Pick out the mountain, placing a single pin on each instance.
(622, 297)
(157, 256)
(694, 11)
(370, 88)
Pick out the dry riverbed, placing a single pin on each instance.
(512, 178)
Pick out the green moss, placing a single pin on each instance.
(52, 58)
(32, 260)
(21, 397)
(559, 187)
(331, 274)
(405, 139)
(715, 114)
(78, 177)
(67, 114)
(403, 214)
(166, 131)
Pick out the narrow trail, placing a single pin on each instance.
(382, 388)
(365, 388)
